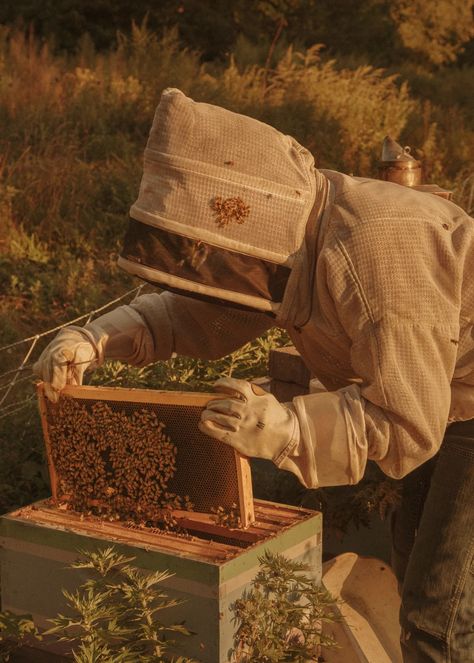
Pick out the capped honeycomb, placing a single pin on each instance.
(138, 454)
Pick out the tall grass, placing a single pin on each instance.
(72, 134)
(73, 129)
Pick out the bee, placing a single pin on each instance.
(115, 465)
(195, 254)
(229, 209)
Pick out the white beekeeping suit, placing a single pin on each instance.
(374, 283)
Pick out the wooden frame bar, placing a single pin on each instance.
(206, 539)
(148, 396)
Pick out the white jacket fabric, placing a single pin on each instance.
(380, 304)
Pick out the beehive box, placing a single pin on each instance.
(127, 452)
(212, 568)
(213, 561)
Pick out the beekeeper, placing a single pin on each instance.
(374, 283)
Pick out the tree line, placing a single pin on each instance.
(433, 33)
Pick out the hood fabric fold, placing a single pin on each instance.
(223, 205)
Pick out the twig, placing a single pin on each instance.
(281, 24)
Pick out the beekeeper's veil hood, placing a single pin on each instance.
(223, 205)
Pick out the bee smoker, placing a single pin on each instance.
(398, 165)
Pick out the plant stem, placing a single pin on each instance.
(282, 23)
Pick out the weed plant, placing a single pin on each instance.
(113, 617)
(15, 631)
(281, 617)
(73, 130)
(117, 613)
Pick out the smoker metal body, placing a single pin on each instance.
(408, 173)
(397, 165)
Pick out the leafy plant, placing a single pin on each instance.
(187, 373)
(14, 631)
(435, 29)
(342, 507)
(116, 613)
(280, 619)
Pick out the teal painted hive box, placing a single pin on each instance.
(211, 568)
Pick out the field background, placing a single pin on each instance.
(79, 82)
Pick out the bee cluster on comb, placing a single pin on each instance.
(113, 463)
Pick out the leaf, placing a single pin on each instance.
(281, 599)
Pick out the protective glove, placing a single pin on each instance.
(65, 359)
(120, 334)
(251, 420)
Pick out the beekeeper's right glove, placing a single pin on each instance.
(121, 334)
(251, 420)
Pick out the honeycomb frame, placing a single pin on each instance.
(229, 468)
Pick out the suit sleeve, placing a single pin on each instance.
(396, 416)
(192, 328)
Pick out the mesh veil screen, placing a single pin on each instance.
(121, 448)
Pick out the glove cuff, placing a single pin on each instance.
(294, 436)
(121, 334)
(88, 338)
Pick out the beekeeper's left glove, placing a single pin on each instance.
(119, 334)
(251, 420)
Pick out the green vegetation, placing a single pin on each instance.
(283, 614)
(113, 617)
(75, 111)
(434, 29)
(383, 31)
(15, 631)
(117, 613)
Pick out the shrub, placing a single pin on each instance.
(281, 617)
(15, 630)
(114, 616)
(117, 613)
